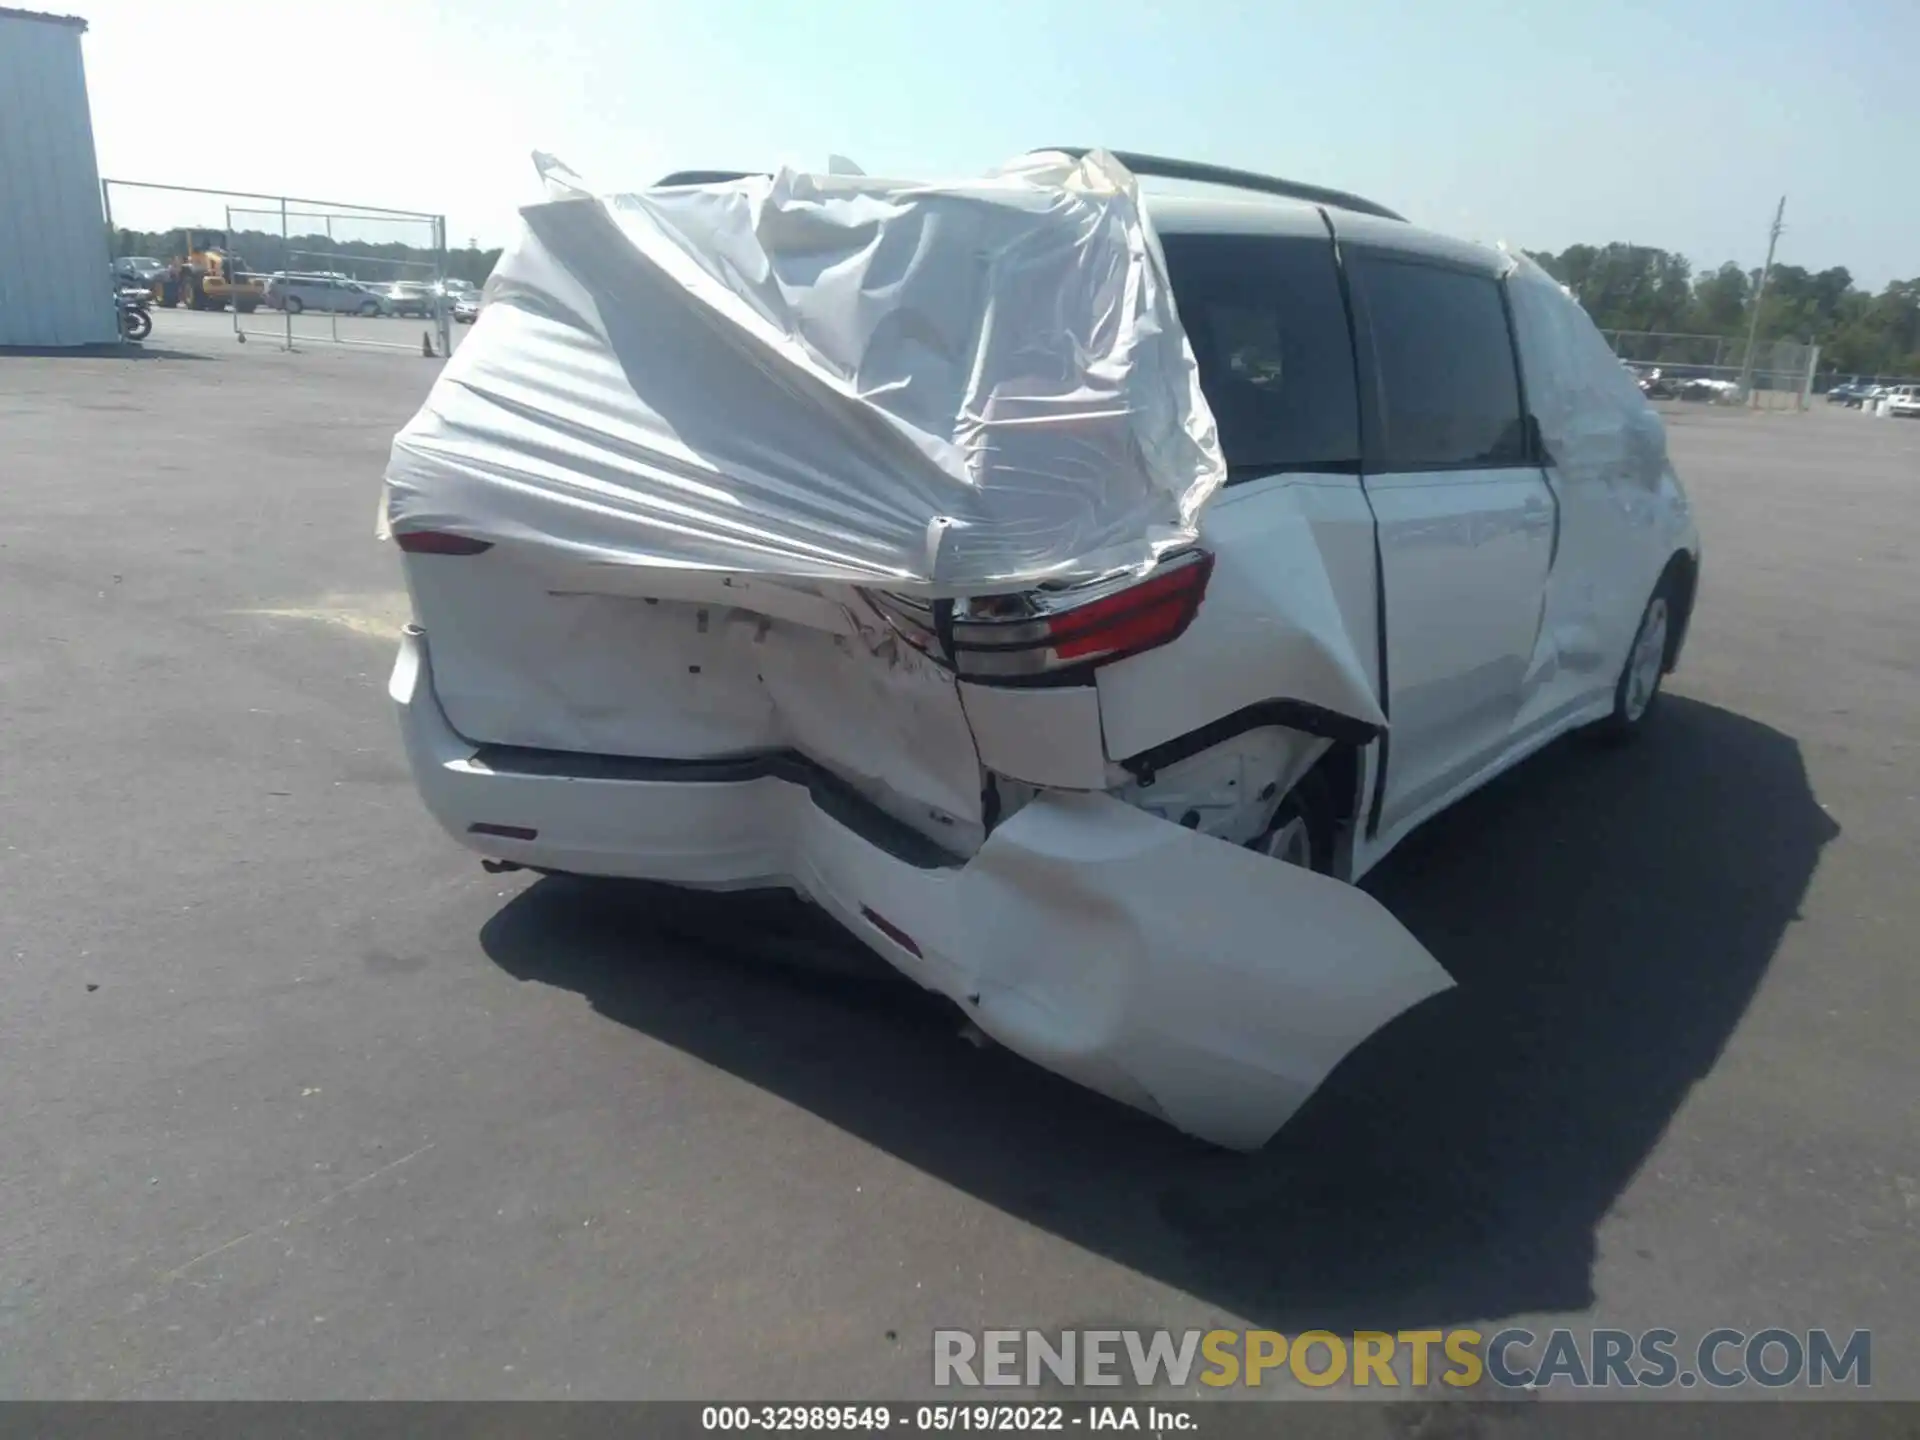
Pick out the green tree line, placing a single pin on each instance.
(1640, 288)
(262, 252)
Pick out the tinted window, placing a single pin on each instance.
(1449, 394)
(1269, 332)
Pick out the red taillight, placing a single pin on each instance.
(1137, 618)
(1038, 636)
(439, 542)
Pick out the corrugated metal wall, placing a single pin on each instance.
(54, 264)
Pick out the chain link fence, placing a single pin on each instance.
(287, 270)
(342, 274)
(1715, 369)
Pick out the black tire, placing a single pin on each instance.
(368, 310)
(294, 305)
(136, 324)
(1301, 830)
(1636, 693)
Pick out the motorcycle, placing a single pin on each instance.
(136, 316)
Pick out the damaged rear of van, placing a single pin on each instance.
(869, 538)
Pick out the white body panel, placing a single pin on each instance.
(617, 661)
(1465, 556)
(1290, 615)
(1052, 938)
(1045, 737)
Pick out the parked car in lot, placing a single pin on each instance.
(335, 293)
(1847, 392)
(1706, 388)
(407, 297)
(1081, 710)
(466, 309)
(1903, 402)
(1652, 382)
(140, 270)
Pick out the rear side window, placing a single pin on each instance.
(1448, 389)
(1269, 332)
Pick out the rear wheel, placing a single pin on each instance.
(295, 304)
(369, 308)
(1639, 683)
(1301, 831)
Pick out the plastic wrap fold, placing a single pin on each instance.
(1596, 424)
(940, 387)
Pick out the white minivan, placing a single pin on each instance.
(336, 293)
(1113, 817)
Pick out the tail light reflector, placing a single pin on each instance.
(439, 542)
(504, 832)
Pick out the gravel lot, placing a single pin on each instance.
(299, 1102)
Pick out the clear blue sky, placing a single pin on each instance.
(1675, 124)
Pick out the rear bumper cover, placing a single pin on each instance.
(1192, 979)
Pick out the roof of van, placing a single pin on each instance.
(1244, 215)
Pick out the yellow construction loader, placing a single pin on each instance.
(205, 275)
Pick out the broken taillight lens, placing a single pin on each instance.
(1041, 636)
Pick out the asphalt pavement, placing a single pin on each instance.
(308, 330)
(298, 1102)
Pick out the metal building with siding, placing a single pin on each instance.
(55, 270)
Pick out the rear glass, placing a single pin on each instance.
(1269, 332)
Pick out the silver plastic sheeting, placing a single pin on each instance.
(1596, 424)
(942, 387)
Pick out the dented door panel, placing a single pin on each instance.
(1292, 600)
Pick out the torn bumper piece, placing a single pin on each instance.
(1200, 982)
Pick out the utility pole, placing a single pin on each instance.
(1760, 294)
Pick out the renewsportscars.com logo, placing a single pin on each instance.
(1514, 1359)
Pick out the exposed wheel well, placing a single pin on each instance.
(1338, 774)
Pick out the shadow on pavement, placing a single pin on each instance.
(1607, 913)
(131, 351)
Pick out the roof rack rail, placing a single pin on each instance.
(1155, 166)
(1163, 168)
